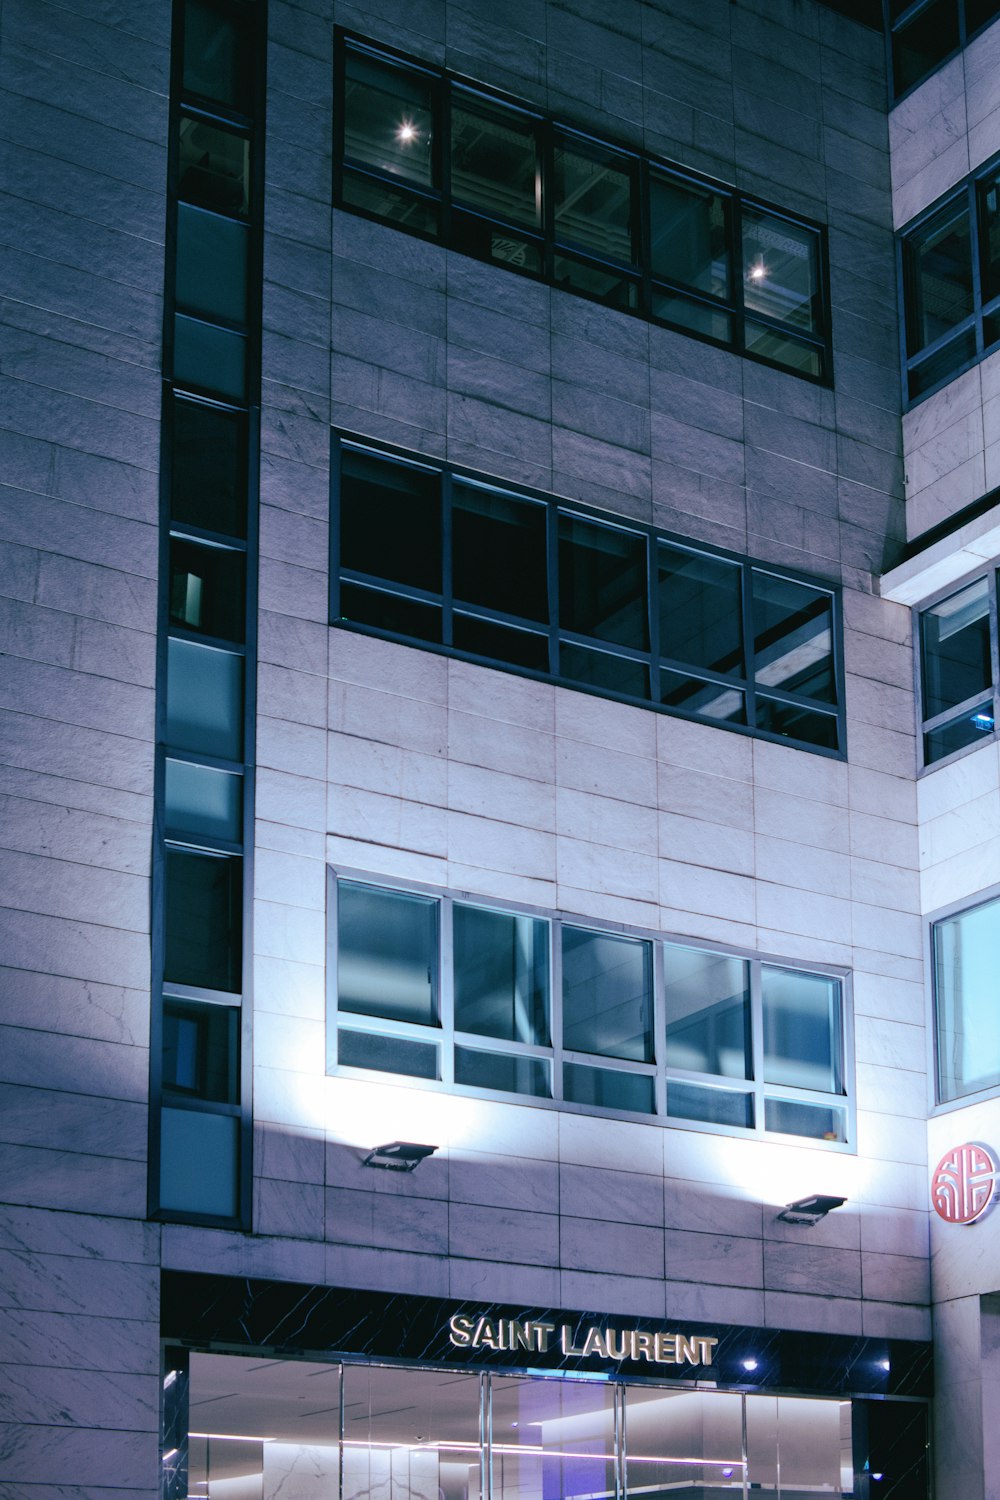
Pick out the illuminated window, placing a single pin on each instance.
(958, 653)
(966, 1013)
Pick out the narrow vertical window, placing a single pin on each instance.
(966, 1013)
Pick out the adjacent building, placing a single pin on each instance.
(501, 824)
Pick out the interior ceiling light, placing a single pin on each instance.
(398, 1156)
(810, 1210)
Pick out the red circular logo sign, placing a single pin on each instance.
(964, 1183)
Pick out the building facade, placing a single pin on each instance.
(500, 846)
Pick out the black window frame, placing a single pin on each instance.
(927, 724)
(967, 196)
(895, 25)
(636, 275)
(649, 660)
(447, 1039)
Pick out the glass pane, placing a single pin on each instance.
(361, 606)
(208, 468)
(781, 270)
(965, 1001)
(494, 160)
(207, 589)
(390, 200)
(978, 12)
(941, 365)
(700, 610)
(204, 700)
(707, 998)
(201, 1051)
(802, 1043)
(387, 1054)
(390, 521)
(695, 317)
(213, 168)
(408, 1435)
(210, 359)
(593, 281)
(216, 56)
(790, 352)
(599, 669)
(521, 648)
(955, 649)
(711, 700)
(499, 1070)
(199, 1162)
(797, 723)
(793, 637)
(967, 729)
(816, 1122)
(481, 238)
(683, 1444)
(989, 214)
(688, 1101)
(387, 953)
(201, 800)
(609, 1088)
(593, 198)
(499, 553)
(211, 275)
(501, 975)
(937, 264)
(922, 43)
(203, 920)
(688, 234)
(602, 583)
(798, 1447)
(261, 1425)
(388, 118)
(607, 995)
(552, 1438)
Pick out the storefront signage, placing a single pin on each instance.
(965, 1184)
(512, 1334)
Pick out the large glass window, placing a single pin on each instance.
(951, 283)
(925, 33)
(436, 558)
(958, 652)
(257, 1426)
(490, 178)
(966, 1011)
(483, 996)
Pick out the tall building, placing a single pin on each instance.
(501, 789)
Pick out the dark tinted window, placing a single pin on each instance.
(207, 589)
(501, 975)
(208, 458)
(494, 160)
(920, 44)
(939, 275)
(593, 198)
(390, 521)
(214, 167)
(212, 252)
(602, 582)
(955, 649)
(216, 55)
(498, 556)
(700, 601)
(389, 119)
(607, 995)
(387, 954)
(204, 921)
(201, 1051)
(793, 637)
(689, 234)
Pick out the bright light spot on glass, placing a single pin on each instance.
(983, 721)
(758, 271)
(406, 133)
(884, 1364)
(749, 1364)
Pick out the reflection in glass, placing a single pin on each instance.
(387, 953)
(608, 1088)
(989, 216)
(688, 234)
(390, 521)
(700, 610)
(498, 552)
(938, 274)
(210, 359)
(707, 998)
(199, 1162)
(207, 589)
(689, 1101)
(782, 349)
(593, 198)
(388, 119)
(594, 281)
(501, 975)
(919, 46)
(711, 700)
(793, 637)
(796, 723)
(599, 669)
(602, 582)
(683, 1443)
(692, 315)
(957, 734)
(552, 1438)
(213, 168)
(802, 1043)
(392, 201)
(208, 468)
(816, 1122)
(211, 265)
(410, 1434)
(203, 920)
(361, 605)
(607, 995)
(502, 1071)
(216, 57)
(521, 648)
(967, 1015)
(387, 1054)
(201, 1051)
(201, 800)
(204, 700)
(494, 160)
(955, 649)
(781, 270)
(798, 1446)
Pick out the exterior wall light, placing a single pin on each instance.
(398, 1156)
(810, 1210)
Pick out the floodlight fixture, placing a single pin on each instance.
(810, 1210)
(398, 1156)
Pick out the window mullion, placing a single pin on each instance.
(552, 572)
(556, 1003)
(447, 592)
(659, 1030)
(757, 1042)
(446, 989)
